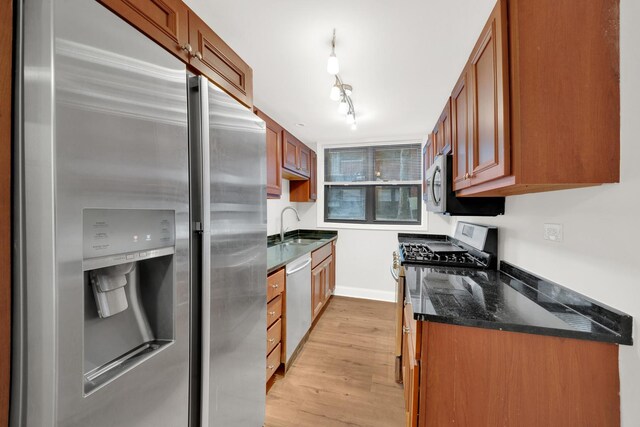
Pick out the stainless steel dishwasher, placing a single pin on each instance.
(298, 288)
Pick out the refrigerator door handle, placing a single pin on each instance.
(206, 246)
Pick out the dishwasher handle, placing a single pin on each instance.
(307, 262)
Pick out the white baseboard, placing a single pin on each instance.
(346, 291)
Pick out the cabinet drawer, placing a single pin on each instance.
(274, 335)
(273, 361)
(275, 284)
(320, 255)
(274, 310)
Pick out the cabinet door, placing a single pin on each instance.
(444, 130)
(274, 156)
(313, 177)
(410, 377)
(317, 279)
(304, 166)
(290, 152)
(490, 157)
(461, 121)
(332, 279)
(327, 279)
(216, 60)
(164, 21)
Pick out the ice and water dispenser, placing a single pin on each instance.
(129, 289)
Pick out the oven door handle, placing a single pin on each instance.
(393, 273)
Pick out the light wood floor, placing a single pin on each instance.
(344, 376)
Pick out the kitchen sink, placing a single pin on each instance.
(299, 242)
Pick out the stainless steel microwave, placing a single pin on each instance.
(440, 197)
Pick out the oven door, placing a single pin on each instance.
(436, 181)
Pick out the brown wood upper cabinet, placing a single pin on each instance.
(171, 24)
(488, 154)
(296, 157)
(307, 190)
(461, 120)
(274, 156)
(480, 108)
(537, 121)
(443, 140)
(216, 60)
(164, 21)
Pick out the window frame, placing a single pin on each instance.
(370, 187)
(370, 205)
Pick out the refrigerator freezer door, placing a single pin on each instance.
(105, 126)
(234, 293)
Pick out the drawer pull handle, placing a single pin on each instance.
(272, 340)
(272, 313)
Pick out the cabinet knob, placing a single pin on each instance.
(272, 340)
(275, 286)
(199, 56)
(466, 175)
(270, 367)
(406, 329)
(272, 313)
(187, 48)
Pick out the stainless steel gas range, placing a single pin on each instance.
(472, 246)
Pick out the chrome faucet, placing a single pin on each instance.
(282, 220)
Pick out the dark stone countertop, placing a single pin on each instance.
(512, 300)
(278, 255)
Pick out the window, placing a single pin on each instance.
(373, 185)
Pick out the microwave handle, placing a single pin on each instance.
(432, 186)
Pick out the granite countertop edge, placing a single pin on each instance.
(534, 330)
(328, 237)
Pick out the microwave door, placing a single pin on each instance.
(435, 187)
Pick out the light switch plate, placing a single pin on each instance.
(553, 232)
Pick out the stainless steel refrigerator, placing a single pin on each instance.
(139, 230)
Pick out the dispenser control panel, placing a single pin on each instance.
(128, 234)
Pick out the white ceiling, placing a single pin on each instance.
(402, 58)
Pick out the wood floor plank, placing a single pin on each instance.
(344, 375)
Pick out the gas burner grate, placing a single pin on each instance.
(420, 253)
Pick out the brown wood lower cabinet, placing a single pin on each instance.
(465, 376)
(276, 318)
(322, 278)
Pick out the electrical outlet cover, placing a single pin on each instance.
(553, 232)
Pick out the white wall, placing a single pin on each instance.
(275, 206)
